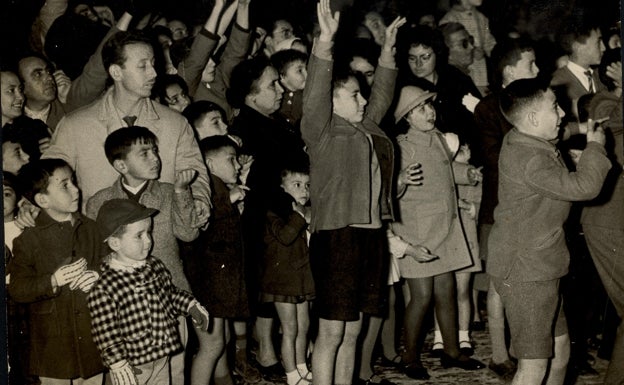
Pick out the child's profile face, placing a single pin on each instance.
(9, 200)
(348, 102)
(422, 117)
(62, 195)
(224, 164)
(294, 78)
(211, 124)
(297, 186)
(141, 163)
(13, 157)
(136, 241)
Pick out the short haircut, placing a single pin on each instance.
(519, 95)
(196, 110)
(608, 57)
(281, 60)
(507, 53)
(119, 143)
(450, 28)
(244, 80)
(295, 167)
(214, 144)
(28, 132)
(37, 55)
(341, 77)
(577, 29)
(165, 80)
(113, 50)
(34, 177)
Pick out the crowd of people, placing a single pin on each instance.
(266, 196)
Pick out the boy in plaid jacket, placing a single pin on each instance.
(134, 307)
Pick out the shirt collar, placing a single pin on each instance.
(41, 115)
(129, 267)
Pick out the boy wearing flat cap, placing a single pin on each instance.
(134, 306)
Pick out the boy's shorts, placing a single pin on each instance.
(533, 310)
(350, 269)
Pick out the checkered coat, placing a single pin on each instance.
(134, 314)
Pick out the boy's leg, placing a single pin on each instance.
(345, 357)
(287, 313)
(559, 362)
(211, 347)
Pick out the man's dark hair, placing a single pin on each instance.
(421, 35)
(29, 55)
(244, 80)
(519, 95)
(119, 143)
(165, 80)
(576, 29)
(34, 177)
(213, 144)
(506, 53)
(113, 50)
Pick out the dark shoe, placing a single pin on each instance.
(273, 373)
(370, 381)
(437, 349)
(461, 362)
(465, 348)
(248, 373)
(416, 371)
(395, 362)
(505, 370)
(477, 326)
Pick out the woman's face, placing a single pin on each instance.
(268, 95)
(422, 61)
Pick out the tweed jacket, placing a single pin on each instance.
(174, 220)
(79, 140)
(535, 192)
(340, 152)
(134, 314)
(60, 326)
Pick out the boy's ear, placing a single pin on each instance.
(120, 166)
(115, 72)
(41, 200)
(532, 118)
(113, 243)
(508, 72)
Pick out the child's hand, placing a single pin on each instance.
(470, 102)
(85, 281)
(411, 175)
(468, 206)
(614, 71)
(238, 192)
(122, 373)
(304, 211)
(183, 179)
(327, 21)
(595, 132)
(202, 213)
(391, 33)
(26, 214)
(200, 316)
(68, 273)
(420, 253)
(474, 175)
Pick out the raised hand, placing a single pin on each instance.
(63, 84)
(238, 192)
(327, 21)
(595, 132)
(391, 33)
(183, 179)
(614, 71)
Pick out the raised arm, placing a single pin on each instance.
(382, 91)
(317, 97)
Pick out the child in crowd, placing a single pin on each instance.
(54, 268)
(291, 66)
(134, 306)
(207, 119)
(215, 266)
(286, 275)
(465, 12)
(430, 217)
(10, 197)
(13, 157)
(133, 153)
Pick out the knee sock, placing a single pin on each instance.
(463, 336)
(437, 337)
(303, 370)
(292, 377)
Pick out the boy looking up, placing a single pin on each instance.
(527, 251)
(351, 189)
(133, 153)
(54, 267)
(135, 305)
